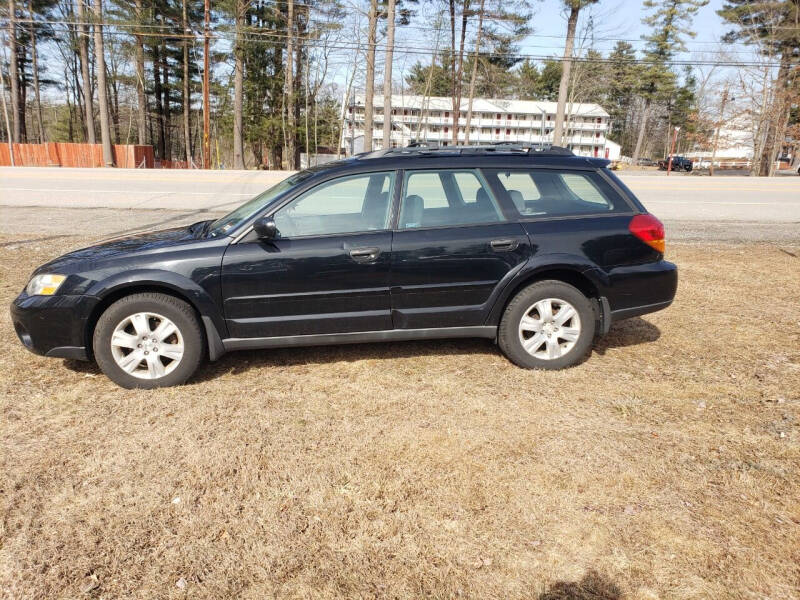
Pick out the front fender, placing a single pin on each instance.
(179, 284)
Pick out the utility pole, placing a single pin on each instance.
(206, 101)
(672, 151)
(719, 126)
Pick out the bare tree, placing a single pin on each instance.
(474, 75)
(99, 51)
(574, 7)
(35, 68)
(369, 84)
(86, 80)
(141, 98)
(187, 100)
(387, 76)
(17, 114)
(238, 83)
(291, 141)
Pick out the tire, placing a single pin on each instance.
(563, 348)
(139, 324)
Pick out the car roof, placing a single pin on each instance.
(453, 157)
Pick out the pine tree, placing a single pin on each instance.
(670, 26)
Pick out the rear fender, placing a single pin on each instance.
(537, 268)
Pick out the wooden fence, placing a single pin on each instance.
(58, 154)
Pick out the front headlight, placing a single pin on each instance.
(44, 285)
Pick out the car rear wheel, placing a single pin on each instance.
(547, 325)
(148, 340)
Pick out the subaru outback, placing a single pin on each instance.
(537, 249)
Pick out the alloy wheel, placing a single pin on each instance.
(147, 345)
(549, 328)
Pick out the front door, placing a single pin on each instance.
(452, 249)
(326, 272)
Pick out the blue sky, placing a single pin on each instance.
(615, 19)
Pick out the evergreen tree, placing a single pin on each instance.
(669, 21)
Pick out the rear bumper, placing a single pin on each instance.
(53, 326)
(641, 289)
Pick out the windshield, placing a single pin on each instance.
(233, 219)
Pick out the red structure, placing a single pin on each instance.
(57, 154)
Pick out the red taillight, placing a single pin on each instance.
(648, 229)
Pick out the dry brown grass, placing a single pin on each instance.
(666, 466)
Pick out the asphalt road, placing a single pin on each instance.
(59, 201)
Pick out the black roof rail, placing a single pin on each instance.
(428, 149)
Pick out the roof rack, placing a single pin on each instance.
(426, 149)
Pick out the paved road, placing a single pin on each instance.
(56, 201)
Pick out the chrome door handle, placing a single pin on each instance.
(365, 255)
(504, 245)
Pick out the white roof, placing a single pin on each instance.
(485, 105)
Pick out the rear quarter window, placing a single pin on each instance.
(542, 193)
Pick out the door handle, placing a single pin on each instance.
(365, 255)
(504, 245)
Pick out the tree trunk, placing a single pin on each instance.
(387, 76)
(141, 105)
(298, 82)
(291, 134)
(13, 74)
(165, 87)
(187, 100)
(474, 74)
(238, 90)
(99, 50)
(642, 128)
(83, 52)
(114, 107)
(161, 147)
(458, 71)
(35, 69)
(369, 84)
(566, 66)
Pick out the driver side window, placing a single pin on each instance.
(345, 205)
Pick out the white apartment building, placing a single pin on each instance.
(430, 119)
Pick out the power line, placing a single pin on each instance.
(258, 37)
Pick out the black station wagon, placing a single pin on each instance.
(537, 249)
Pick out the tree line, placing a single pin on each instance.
(131, 71)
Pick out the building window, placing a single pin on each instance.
(499, 117)
(497, 132)
(446, 114)
(599, 120)
(446, 129)
(508, 132)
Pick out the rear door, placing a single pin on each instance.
(327, 272)
(452, 248)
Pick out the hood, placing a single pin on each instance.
(135, 245)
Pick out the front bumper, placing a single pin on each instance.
(53, 326)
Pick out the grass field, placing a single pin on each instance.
(665, 466)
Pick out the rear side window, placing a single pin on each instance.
(446, 198)
(551, 193)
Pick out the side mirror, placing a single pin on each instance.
(265, 228)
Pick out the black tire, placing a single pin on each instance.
(182, 316)
(508, 336)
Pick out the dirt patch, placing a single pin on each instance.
(665, 466)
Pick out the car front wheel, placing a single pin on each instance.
(547, 325)
(148, 340)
